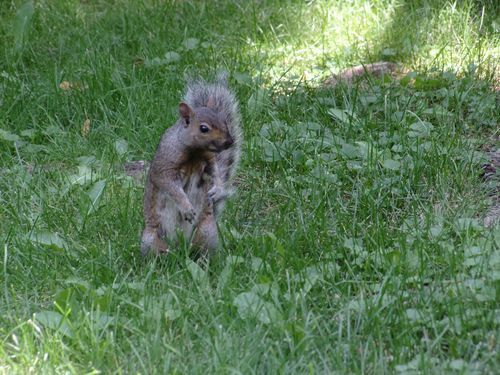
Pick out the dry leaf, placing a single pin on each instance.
(86, 128)
(65, 85)
(138, 61)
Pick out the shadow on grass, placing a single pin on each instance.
(422, 33)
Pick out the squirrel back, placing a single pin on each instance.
(217, 96)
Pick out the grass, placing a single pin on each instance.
(354, 243)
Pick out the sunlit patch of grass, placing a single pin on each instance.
(326, 37)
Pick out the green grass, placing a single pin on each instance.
(355, 242)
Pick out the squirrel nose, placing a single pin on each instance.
(229, 142)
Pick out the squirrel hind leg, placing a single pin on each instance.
(150, 240)
(205, 237)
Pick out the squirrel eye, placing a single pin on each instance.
(204, 129)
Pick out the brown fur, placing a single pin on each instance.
(189, 175)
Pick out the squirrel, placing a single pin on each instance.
(190, 175)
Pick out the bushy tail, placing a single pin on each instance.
(223, 101)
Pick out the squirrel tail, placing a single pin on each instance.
(198, 94)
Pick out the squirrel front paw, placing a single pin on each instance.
(189, 214)
(216, 193)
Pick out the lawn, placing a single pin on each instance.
(355, 242)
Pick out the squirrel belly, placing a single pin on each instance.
(191, 173)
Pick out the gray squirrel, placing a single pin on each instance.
(191, 173)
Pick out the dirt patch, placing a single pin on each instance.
(356, 73)
(491, 176)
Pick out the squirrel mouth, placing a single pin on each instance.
(217, 148)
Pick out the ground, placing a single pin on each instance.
(356, 241)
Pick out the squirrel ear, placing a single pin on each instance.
(186, 113)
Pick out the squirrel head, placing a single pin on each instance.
(204, 129)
